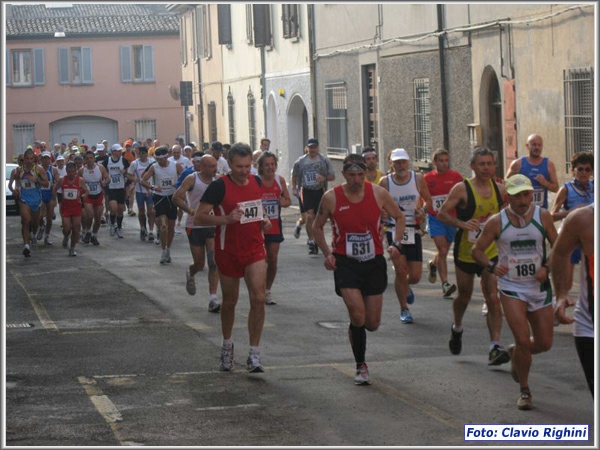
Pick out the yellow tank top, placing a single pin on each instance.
(377, 178)
(481, 209)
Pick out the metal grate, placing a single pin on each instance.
(23, 135)
(579, 111)
(422, 103)
(231, 116)
(337, 118)
(145, 129)
(252, 119)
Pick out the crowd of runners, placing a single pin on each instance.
(496, 227)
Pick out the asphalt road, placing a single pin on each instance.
(108, 349)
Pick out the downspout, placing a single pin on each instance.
(200, 104)
(313, 66)
(263, 90)
(443, 97)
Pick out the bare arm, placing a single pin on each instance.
(457, 195)
(326, 207)
(552, 184)
(490, 233)
(149, 173)
(559, 201)
(284, 199)
(515, 168)
(391, 209)
(42, 178)
(425, 196)
(203, 215)
(179, 195)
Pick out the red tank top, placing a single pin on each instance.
(270, 199)
(242, 239)
(439, 185)
(71, 192)
(356, 226)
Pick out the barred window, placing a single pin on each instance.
(144, 129)
(23, 135)
(336, 99)
(231, 116)
(422, 104)
(212, 121)
(289, 20)
(579, 111)
(252, 119)
(202, 43)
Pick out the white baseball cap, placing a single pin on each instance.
(398, 154)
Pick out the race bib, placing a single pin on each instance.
(538, 196)
(408, 238)
(253, 211)
(523, 267)
(475, 234)
(94, 187)
(26, 184)
(70, 194)
(309, 178)
(360, 246)
(271, 208)
(115, 178)
(437, 201)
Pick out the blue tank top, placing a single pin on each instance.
(540, 193)
(577, 196)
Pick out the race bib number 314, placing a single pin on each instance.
(253, 211)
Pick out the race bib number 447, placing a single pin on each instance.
(253, 211)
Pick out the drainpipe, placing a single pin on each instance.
(313, 66)
(200, 105)
(440, 19)
(263, 90)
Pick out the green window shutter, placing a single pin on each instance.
(63, 66)
(86, 66)
(148, 63)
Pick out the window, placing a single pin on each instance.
(144, 129)
(252, 119)
(201, 44)
(336, 95)
(249, 34)
(183, 41)
(212, 121)
(23, 135)
(137, 63)
(422, 103)
(75, 65)
(289, 20)
(231, 115)
(25, 67)
(224, 19)
(579, 111)
(261, 16)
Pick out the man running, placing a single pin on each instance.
(184, 161)
(310, 175)
(165, 175)
(117, 167)
(439, 182)
(475, 200)
(520, 232)
(373, 174)
(356, 259)
(143, 196)
(96, 178)
(48, 200)
(407, 188)
(200, 237)
(236, 201)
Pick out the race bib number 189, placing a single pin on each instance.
(253, 211)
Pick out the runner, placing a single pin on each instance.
(117, 167)
(439, 182)
(200, 237)
(143, 196)
(48, 200)
(475, 200)
(235, 200)
(407, 188)
(275, 196)
(520, 232)
(373, 174)
(356, 259)
(96, 178)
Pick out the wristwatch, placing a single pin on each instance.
(491, 266)
(396, 244)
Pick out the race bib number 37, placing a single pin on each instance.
(253, 211)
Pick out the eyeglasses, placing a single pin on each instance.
(583, 169)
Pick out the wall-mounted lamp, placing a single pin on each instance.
(282, 92)
(60, 32)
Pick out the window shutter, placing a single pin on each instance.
(126, 76)
(148, 63)
(262, 25)
(285, 20)
(63, 66)
(224, 17)
(86, 66)
(39, 69)
(8, 67)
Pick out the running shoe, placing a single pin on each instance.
(253, 362)
(151, 237)
(113, 229)
(163, 257)
(362, 375)
(119, 233)
(131, 213)
(72, 252)
(65, 242)
(87, 237)
(143, 234)
(177, 229)
(513, 370)
(102, 220)
(432, 272)
(95, 240)
(313, 249)
(269, 298)
(214, 306)
(226, 358)
(410, 298)
(498, 356)
(406, 316)
(297, 231)
(448, 289)
(190, 283)
(40, 233)
(525, 402)
(484, 309)
(47, 241)
(26, 251)
(168, 255)
(455, 341)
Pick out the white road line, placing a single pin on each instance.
(225, 408)
(39, 309)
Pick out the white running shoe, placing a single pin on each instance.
(226, 358)
(362, 376)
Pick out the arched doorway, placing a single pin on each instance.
(297, 127)
(490, 111)
(271, 125)
(87, 129)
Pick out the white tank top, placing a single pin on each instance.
(406, 196)
(584, 312)
(93, 179)
(166, 178)
(193, 199)
(138, 168)
(117, 179)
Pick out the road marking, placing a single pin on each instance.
(225, 408)
(40, 311)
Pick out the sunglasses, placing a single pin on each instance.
(583, 169)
